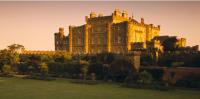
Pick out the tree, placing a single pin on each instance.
(170, 44)
(15, 48)
(11, 54)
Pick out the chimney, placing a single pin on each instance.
(124, 14)
(142, 20)
(117, 12)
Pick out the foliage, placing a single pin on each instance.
(190, 81)
(44, 68)
(22, 68)
(71, 69)
(157, 74)
(47, 58)
(179, 59)
(10, 56)
(146, 60)
(6, 69)
(120, 69)
(56, 68)
(145, 78)
(104, 58)
(98, 69)
(170, 44)
(84, 68)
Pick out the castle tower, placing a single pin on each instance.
(86, 43)
(128, 35)
(109, 26)
(70, 39)
(60, 40)
(61, 31)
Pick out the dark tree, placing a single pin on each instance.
(170, 44)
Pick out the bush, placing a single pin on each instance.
(73, 69)
(44, 69)
(157, 74)
(163, 86)
(191, 81)
(23, 68)
(145, 78)
(120, 69)
(97, 69)
(6, 69)
(56, 68)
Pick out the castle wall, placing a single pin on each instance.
(138, 33)
(115, 33)
(60, 40)
(119, 38)
(98, 38)
(152, 32)
(78, 40)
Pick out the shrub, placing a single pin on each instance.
(93, 76)
(157, 74)
(7, 69)
(97, 69)
(73, 69)
(23, 68)
(44, 70)
(191, 81)
(84, 68)
(145, 78)
(56, 68)
(120, 69)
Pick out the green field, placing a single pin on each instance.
(17, 88)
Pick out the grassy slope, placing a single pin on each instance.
(16, 88)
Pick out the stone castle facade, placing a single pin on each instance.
(117, 33)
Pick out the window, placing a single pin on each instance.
(119, 39)
(99, 40)
(79, 41)
(118, 28)
(92, 41)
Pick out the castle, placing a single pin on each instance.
(117, 33)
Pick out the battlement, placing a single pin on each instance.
(111, 33)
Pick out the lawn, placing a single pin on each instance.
(17, 88)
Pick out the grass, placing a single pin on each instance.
(17, 88)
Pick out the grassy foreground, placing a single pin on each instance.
(17, 88)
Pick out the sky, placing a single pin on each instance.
(33, 24)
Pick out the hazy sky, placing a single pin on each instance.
(33, 24)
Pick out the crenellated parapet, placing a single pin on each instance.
(113, 33)
(61, 40)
